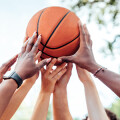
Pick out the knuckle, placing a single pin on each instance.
(44, 63)
(30, 55)
(30, 44)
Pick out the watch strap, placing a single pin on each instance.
(15, 77)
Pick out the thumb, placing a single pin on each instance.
(66, 59)
(43, 63)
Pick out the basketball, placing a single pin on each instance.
(59, 29)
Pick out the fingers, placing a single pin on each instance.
(43, 63)
(57, 70)
(43, 70)
(49, 68)
(82, 33)
(60, 74)
(66, 77)
(66, 59)
(35, 46)
(31, 42)
(69, 68)
(37, 57)
(88, 39)
(24, 47)
(6, 66)
(87, 35)
(25, 39)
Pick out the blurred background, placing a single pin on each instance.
(102, 19)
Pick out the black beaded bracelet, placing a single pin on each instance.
(99, 69)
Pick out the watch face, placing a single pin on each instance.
(9, 76)
(5, 77)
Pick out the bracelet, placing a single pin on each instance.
(98, 70)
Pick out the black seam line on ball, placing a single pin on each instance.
(39, 20)
(55, 29)
(61, 45)
(47, 54)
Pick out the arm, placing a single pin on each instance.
(5, 96)
(17, 98)
(84, 58)
(41, 107)
(49, 78)
(109, 78)
(19, 95)
(7, 85)
(25, 68)
(96, 110)
(60, 102)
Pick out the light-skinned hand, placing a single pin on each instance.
(61, 84)
(50, 76)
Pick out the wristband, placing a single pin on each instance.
(15, 77)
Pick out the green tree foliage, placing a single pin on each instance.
(102, 12)
(115, 107)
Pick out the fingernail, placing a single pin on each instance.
(48, 60)
(34, 33)
(39, 36)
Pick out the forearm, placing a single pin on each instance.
(41, 107)
(109, 78)
(17, 99)
(7, 89)
(60, 106)
(95, 108)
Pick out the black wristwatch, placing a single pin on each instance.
(15, 77)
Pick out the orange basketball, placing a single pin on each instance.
(59, 29)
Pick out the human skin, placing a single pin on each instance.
(49, 78)
(95, 108)
(19, 95)
(60, 102)
(6, 85)
(25, 68)
(84, 58)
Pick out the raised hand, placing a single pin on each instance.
(7, 66)
(60, 102)
(84, 56)
(62, 83)
(49, 76)
(26, 66)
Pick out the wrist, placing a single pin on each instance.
(20, 74)
(92, 67)
(89, 83)
(43, 93)
(60, 91)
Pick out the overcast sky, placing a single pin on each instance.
(14, 16)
